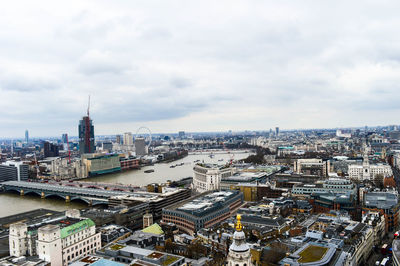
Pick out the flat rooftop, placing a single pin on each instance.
(206, 203)
(29, 217)
(381, 200)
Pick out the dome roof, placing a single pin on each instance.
(239, 248)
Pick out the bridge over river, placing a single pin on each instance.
(92, 196)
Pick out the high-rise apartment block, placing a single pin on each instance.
(128, 139)
(86, 136)
(118, 139)
(64, 138)
(26, 136)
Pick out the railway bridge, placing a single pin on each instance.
(92, 196)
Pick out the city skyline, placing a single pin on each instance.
(204, 68)
(351, 128)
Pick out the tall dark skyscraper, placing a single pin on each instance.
(50, 149)
(26, 136)
(64, 138)
(86, 136)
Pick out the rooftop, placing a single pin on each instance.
(207, 202)
(381, 200)
(312, 254)
(153, 229)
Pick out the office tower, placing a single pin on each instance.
(50, 149)
(118, 139)
(128, 139)
(13, 171)
(181, 134)
(26, 136)
(140, 146)
(86, 136)
(277, 131)
(107, 146)
(64, 138)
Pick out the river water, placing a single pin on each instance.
(14, 203)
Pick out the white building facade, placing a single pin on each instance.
(208, 177)
(367, 171)
(59, 245)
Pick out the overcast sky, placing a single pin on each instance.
(197, 65)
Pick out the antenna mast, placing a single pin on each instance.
(87, 129)
(88, 106)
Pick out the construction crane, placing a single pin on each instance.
(37, 166)
(69, 151)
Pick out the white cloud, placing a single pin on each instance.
(186, 65)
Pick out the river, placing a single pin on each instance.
(13, 203)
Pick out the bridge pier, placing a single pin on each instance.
(42, 195)
(67, 199)
(21, 192)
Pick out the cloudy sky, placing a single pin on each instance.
(197, 65)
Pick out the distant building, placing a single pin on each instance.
(377, 221)
(257, 191)
(394, 135)
(181, 134)
(64, 138)
(328, 201)
(367, 171)
(332, 185)
(13, 171)
(26, 136)
(107, 146)
(118, 139)
(112, 232)
(132, 255)
(386, 203)
(128, 139)
(98, 164)
(208, 176)
(147, 220)
(317, 167)
(343, 133)
(396, 252)
(277, 131)
(129, 163)
(140, 146)
(86, 136)
(156, 201)
(50, 149)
